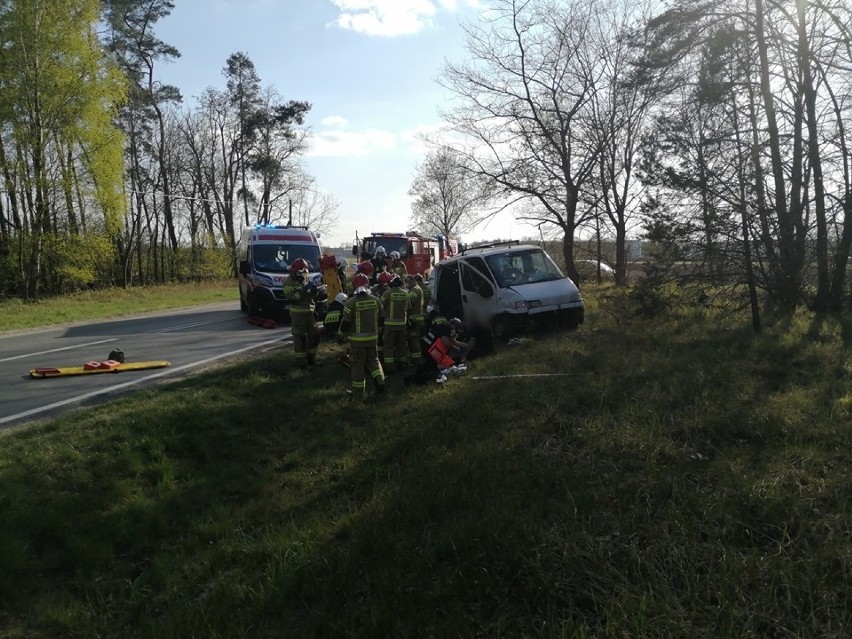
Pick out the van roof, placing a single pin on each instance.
(493, 248)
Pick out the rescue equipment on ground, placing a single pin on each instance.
(96, 367)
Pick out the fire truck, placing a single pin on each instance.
(418, 252)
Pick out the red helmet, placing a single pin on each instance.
(385, 277)
(365, 267)
(300, 264)
(360, 280)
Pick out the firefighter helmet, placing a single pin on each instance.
(385, 278)
(365, 267)
(300, 264)
(395, 255)
(360, 280)
(341, 298)
(380, 251)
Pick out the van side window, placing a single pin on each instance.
(479, 264)
(474, 281)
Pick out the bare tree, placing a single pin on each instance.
(447, 195)
(525, 101)
(308, 206)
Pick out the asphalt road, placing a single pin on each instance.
(190, 340)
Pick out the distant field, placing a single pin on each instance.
(114, 302)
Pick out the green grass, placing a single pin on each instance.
(683, 479)
(16, 314)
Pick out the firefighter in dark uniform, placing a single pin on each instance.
(332, 319)
(301, 293)
(417, 315)
(396, 305)
(380, 264)
(360, 324)
(366, 268)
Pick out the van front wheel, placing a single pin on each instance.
(503, 328)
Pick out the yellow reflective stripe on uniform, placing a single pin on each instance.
(366, 337)
(300, 309)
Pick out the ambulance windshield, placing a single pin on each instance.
(276, 258)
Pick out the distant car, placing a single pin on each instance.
(588, 270)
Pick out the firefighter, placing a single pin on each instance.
(332, 319)
(365, 267)
(423, 283)
(301, 293)
(342, 265)
(360, 324)
(383, 281)
(397, 266)
(396, 305)
(331, 323)
(383, 284)
(417, 315)
(379, 262)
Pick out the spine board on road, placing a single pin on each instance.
(84, 370)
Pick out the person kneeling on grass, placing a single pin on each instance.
(443, 353)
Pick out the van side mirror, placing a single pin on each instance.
(244, 267)
(355, 250)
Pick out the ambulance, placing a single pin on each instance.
(265, 253)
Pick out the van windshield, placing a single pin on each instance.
(276, 258)
(523, 267)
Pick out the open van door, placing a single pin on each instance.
(478, 293)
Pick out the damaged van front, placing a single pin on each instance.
(506, 286)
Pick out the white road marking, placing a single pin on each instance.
(524, 375)
(56, 350)
(164, 372)
(179, 327)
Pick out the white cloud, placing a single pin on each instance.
(334, 121)
(423, 138)
(350, 143)
(386, 17)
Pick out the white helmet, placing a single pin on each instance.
(342, 262)
(341, 297)
(395, 255)
(380, 251)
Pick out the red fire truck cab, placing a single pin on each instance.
(418, 252)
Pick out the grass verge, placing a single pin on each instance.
(16, 314)
(683, 478)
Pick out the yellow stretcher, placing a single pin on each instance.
(330, 277)
(94, 368)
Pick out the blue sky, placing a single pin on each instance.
(368, 67)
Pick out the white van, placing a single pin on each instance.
(265, 254)
(505, 286)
